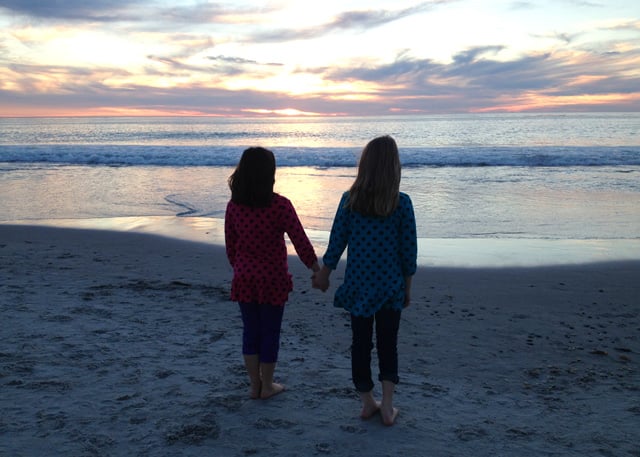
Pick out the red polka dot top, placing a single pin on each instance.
(254, 239)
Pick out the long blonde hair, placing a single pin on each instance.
(375, 192)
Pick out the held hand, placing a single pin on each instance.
(319, 283)
(320, 279)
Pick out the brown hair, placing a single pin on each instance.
(252, 181)
(375, 192)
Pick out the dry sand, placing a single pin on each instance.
(122, 344)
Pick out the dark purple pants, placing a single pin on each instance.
(261, 333)
(387, 323)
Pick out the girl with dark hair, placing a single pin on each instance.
(256, 220)
(377, 222)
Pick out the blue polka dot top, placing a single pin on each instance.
(381, 252)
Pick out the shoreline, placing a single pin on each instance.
(432, 252)
(120, 343)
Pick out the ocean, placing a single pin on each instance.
(516, 189)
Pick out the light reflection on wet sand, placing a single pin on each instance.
(454, 252)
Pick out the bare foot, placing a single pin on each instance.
(370, 410)
(389, 417)
(275, 389)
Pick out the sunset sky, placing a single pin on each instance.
(244, 58)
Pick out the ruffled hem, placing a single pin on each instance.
(365, 303)
(259, 291)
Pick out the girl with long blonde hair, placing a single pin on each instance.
(376, 221)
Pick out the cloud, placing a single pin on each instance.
(77, 10)
(527, 5)
(630, 25)
(476, 80)
(189, 67)
(175, 64)
(210, 13)
(82, 97)
(402, 70)
(220, 66)
(241, 61)
(585, 3)
(565, 38)
(199, 13)
(471, 55)
(349, 20)
(521, 5)
(187, 44)
(147, 12)
(368, 19)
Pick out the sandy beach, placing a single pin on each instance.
(126, 344)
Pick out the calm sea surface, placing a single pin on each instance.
(488, 177)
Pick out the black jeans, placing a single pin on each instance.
(387, 322)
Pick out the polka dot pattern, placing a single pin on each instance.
(256, 249)
(381, 253)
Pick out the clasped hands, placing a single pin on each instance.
(320, 278)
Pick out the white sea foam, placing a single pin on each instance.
(127, 155)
